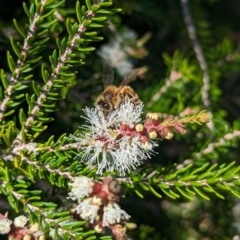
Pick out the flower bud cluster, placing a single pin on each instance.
(164, 129)
(97, 204)
(121, 142)
(19, 229)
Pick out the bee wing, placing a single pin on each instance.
(107, 75)
(131, 76)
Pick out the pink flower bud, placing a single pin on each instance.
(123, 127)
(96, 187)
(144, 138)
(179, 129)
(166, 133)
(148, 122)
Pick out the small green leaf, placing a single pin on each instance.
(53, 4)
(90, 34)
(204, 175)
(12, 201)
(182, 170)
(87, 49)
(235, 193)
(236, 170)
(38, 129)
(8, 113)
(104, 11)
(49, 105)
(200, 193)
(36, 88)
(11, 62)
(15, 47)
(31, 61)
(22, 116)
(203, 167)
(40, 42)
(88, 234)
(138, 193)
(196, 183)
(48, 24)
(236, 182)
(212, 180)
(4, 79)
(19, 29)
(188, 178)
(87, 23)
(48, 13)
(99, 19)
(42, 33)
(60, 45)
(163, 185)
(53, 59)
(73, 166)
(34, 198)
(19, 96)
(89, 4)
(26, 68)
(37, 204)
(6, 139)
(69, 28)
(46, 119)
(14, 104)
(106, 4)
(143, 186)
(95, 8)
(212, 167)
(96, 25)
(228, 176)
(155, 192)
(95, 39)
(135, 178)
(223, 186)
(65, 74)
(30, 15)
(1, 93)
(25, 78)
(169, 194)
(29, 101)
(45, 74)
(170, 177)
(184, 193)
(190, 192)
(116, 10)
(35, 50)
(78, 12)
(179, 183)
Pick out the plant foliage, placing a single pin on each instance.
(51, 71)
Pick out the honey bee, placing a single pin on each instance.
(113, 97)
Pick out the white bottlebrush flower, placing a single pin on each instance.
(114, 54)
(81, 187)
(113, 214)
(88, 209)
(20, 221)
(130, 154)
(105, 145)
(5, 226)
(129, 114)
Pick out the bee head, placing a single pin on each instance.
(106, 106)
